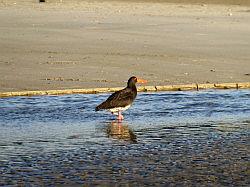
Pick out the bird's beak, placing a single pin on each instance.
(142, 81)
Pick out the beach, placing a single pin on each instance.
(90, 44)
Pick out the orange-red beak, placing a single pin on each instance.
(142, 81)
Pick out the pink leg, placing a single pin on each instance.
(120, 116)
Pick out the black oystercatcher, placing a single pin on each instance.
(122, 99)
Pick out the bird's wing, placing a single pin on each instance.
(120, 98)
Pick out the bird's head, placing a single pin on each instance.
(133, 80)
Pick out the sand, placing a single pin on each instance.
(86, 44)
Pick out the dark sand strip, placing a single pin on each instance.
(140, 89)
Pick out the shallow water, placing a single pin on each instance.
(167, 138)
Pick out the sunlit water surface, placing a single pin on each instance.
(167, 138)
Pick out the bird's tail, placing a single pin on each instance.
(101, 106)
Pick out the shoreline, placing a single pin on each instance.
(188, 87)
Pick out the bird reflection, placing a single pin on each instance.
(118, 130)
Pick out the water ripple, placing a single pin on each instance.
(167, 138)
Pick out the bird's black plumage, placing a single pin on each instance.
(121, 98)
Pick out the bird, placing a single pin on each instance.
(121, 100)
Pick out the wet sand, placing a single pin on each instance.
(100, 44)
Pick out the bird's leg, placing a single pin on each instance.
(120, 116)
